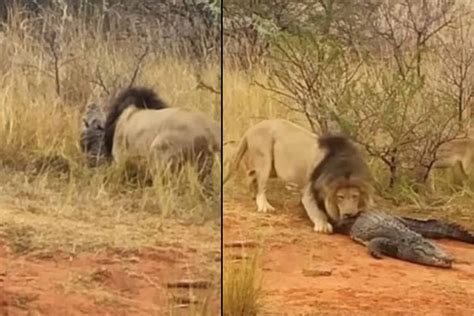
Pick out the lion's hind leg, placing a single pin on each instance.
(251, 181)
(263, 168)
(204, 165)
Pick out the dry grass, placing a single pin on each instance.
(242, 286)
(246, 104)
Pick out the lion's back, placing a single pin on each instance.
(292, 148)
(179, 127)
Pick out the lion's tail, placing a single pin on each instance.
(238, 155)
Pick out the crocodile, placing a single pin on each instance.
(402, 237)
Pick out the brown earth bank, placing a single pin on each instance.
(104, 283)
(308, 273)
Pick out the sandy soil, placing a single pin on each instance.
(98, 284)
(309, 273)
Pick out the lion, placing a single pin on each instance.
(457, 152)
(278, 148)
(141, 125)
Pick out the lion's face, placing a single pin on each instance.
(349, 201)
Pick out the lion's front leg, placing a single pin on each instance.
(317, 216)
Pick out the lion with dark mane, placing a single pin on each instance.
(141, 125)
(341, 183)
(328, 171)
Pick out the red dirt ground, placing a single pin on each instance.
(96, 284)
(357, 283)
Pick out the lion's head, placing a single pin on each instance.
(342, 180)
(345, 198)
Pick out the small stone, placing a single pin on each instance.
(316, 272)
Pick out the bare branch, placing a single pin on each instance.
(100, 81)
(204, 86)
(51, 39)
(138, 66)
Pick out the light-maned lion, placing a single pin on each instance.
(139, 124)
(457, 152)
(277, 148)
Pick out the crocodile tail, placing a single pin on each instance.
(432, 228)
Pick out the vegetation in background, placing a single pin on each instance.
(397, 76)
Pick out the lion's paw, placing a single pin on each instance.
(266, 208)
(324, 228)
(263, 205)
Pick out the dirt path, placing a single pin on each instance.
(100, 284)
(293, 254)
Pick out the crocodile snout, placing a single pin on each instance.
(445, 262)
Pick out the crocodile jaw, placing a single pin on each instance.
(429, 254)
(441, 262)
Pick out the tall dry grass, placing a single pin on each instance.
(50, 199)
(242, 287)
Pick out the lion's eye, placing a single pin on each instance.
(340, 197)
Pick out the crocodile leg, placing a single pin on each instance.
(380, 246)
